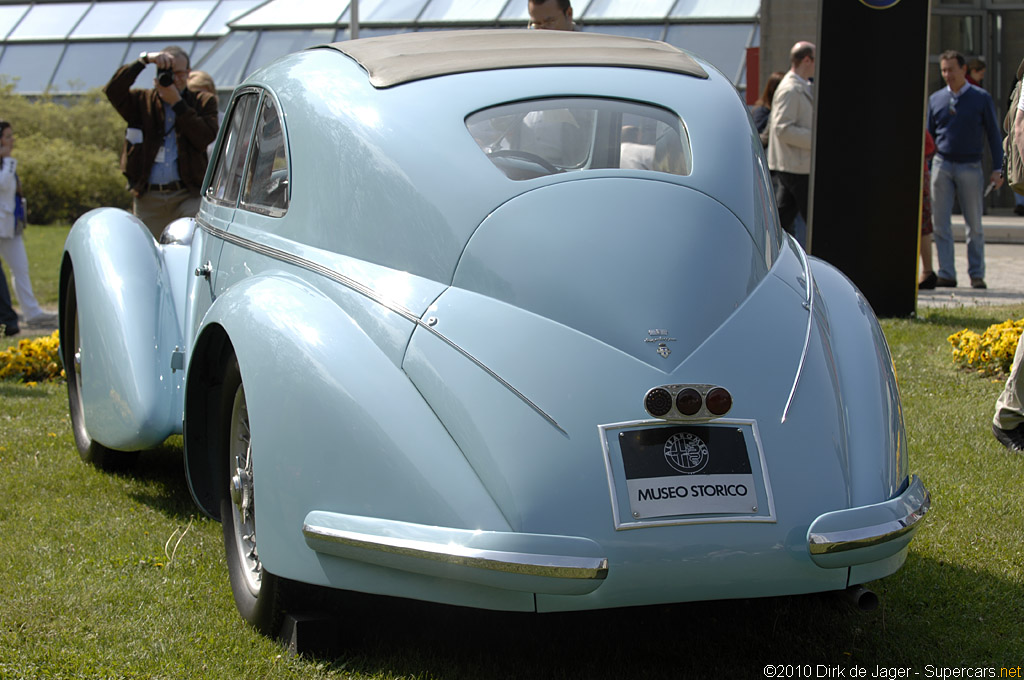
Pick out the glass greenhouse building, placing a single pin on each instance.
(70, 47)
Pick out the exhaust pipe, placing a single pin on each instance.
(862, 598)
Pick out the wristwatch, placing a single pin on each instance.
(144, 57)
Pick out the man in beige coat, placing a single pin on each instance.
(789, 136)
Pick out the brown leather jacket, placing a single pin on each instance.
(195, 125)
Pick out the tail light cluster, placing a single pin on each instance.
(685, 402)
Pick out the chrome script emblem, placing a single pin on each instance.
(686, 453)
(660, 336)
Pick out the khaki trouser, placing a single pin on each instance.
(1009, 409)
(158, 208)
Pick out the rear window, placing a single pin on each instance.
(545, 137)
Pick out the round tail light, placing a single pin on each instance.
(719, 401)
(658, 402)
(688, 401)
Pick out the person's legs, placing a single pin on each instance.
(158, 208)
(926, 258)
(927, 278)
(149, 209)
(189, 206)
(8, 318)
(970, 184)
(800, 187)
(1010, 404)
(943, 188)
(800, 230)
(785, 201)
(1009, 415)
(12, 250)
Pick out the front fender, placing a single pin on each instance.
(877, 443)
(336, 425)
(128, 330)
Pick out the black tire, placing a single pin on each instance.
(259, 595)
(91, 451)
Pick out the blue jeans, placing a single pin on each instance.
(967, 180)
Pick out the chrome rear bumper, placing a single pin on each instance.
(845, 538)
(537, 563)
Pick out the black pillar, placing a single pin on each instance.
(870, 90)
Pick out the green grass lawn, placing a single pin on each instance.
(107, 575)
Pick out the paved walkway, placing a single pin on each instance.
(1004, 266)
(1004, 274)
(1002, 226)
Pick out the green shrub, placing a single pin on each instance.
(68, 152)
(85, 120)
(62, 180)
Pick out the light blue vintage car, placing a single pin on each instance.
(502, 319)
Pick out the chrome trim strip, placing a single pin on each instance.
(373, 295)
(308, 265)
(865, 537)
(526, 564)
(621, 525)
(491, 373)
(809, 306)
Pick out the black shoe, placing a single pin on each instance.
(8, 332)
(1018, 209)
(945, 283)
(1011, 439)
(929, 282)
(978, 283)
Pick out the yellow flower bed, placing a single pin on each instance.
(992, 351)
(32, 360)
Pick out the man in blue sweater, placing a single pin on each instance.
(960, 117)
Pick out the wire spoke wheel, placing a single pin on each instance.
(259, 595)
(243, 501)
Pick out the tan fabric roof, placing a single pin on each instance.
(395, 59)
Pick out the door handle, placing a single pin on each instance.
(205, 270)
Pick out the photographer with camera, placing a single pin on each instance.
(169, 129)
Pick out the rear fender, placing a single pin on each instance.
(336, 426)
(128, 330)
(877, 444)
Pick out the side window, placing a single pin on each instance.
(227, 176)
(265, 189)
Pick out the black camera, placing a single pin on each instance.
(165, 77)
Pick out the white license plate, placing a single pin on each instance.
(687, 470)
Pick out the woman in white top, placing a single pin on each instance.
(12, 247)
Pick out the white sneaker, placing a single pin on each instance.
(44, 319)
